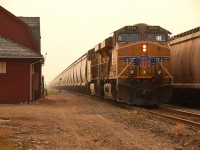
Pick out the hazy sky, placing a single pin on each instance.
(71, 27)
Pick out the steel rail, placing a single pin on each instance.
(182, 112)
(177, 119)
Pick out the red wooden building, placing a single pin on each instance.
(20, 58)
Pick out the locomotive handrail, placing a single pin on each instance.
(124, 69)
(166, 72)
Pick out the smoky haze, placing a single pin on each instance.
(70, 28)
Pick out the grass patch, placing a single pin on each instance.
(52, 92)
(6, 144)
(134, 117)
(5, 141)
(180, 128)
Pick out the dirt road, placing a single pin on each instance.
(70, 121)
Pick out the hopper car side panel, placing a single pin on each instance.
(185, 66)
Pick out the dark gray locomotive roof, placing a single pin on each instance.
(11, 49)
(141, 27)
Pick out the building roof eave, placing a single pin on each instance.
(20, 57)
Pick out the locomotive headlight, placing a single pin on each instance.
(159, 72)
(144, 48)
(132, 72)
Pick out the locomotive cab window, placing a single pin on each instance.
(156, 37)
(129, 37)
(2, 67)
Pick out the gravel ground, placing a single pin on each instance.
(71, 121)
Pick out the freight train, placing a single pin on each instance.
(132, 66)
(185, 66)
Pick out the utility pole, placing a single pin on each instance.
(59, 85)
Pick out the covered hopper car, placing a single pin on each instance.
(132, 66)
(185, 66)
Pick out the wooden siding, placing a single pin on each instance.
(13, 28)
(15, 83)
(185, 61)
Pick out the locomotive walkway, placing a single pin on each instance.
(71, 121)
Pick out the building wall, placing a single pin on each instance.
(15, 83)
(13, 28)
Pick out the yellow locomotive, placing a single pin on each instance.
(132, 66)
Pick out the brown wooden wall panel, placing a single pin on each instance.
(15, 83)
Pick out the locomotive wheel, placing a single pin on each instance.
(114, 91)
(99, 88)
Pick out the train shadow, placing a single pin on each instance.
(123, 105)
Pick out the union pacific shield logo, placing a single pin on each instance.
(144, 61)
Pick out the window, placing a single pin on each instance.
(156, 37)
(2, 67)
(125, 37)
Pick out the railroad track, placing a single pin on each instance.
(178, 116)
(175, 115)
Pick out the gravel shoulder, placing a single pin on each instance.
(71, 121)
